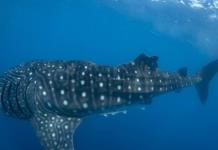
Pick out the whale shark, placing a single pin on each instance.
(55, 96)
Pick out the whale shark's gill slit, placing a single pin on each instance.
(55, 132)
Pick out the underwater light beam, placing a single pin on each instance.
(193, 21)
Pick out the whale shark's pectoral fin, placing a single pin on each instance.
(55, 132)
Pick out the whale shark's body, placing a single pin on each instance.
(56, 95)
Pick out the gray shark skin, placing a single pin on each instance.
(56, 95)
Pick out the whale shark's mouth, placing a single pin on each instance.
(192, 21)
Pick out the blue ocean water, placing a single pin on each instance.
(96, 31)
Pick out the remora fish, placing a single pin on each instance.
(56, 95)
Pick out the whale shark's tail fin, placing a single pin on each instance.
(206, 73)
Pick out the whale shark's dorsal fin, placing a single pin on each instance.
(142, 60)
(183, 72)
(55, 131)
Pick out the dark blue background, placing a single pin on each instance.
(89, 30)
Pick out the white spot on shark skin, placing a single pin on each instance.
(161, 89)
(65, 102)
(102, 97)
(101, 84)
(118, 78)
(62, 92)
(139, 89)
(119, 87)
(109, 84)
(85, 105)
(66, 127)
(118, 100)
(73, 81)
(61, 77)
(137, 80)
(44, 93)
(53, 135)
(83, 94)
(100, 75)
(82, 82)
(65, 145)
